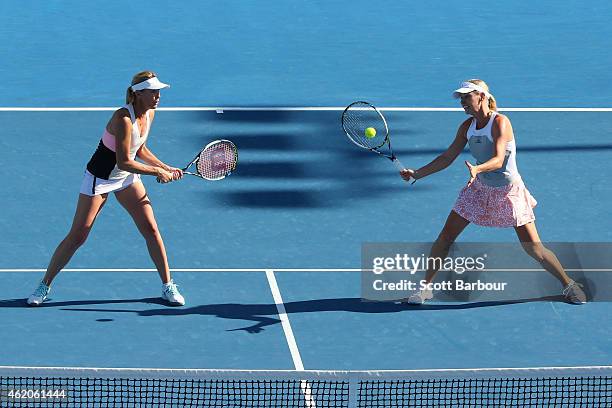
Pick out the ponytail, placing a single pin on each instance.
(483, 84)
(492, 103)
(129, 96)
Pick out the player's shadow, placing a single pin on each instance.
(267, 314)
(49, 303)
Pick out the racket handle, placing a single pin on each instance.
(400, 167)
(398, 164)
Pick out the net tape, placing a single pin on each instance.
(233, 388)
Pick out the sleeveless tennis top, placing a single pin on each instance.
(103, 163)
(482, 148)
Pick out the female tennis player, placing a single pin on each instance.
(113, 169)
(495, 195)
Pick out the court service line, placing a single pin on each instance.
(221, 109)
(282, 314)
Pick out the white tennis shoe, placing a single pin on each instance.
(39, 295)
(420, 297)
(574, 294)
(171, 294)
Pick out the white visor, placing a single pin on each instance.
(151, 83)
(467, 87)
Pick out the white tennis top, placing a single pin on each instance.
(482, 148)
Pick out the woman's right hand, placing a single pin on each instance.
(164, 176)
(407, 174)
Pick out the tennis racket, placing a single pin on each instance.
(215, 162)
(359, 116)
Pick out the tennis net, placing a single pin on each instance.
(478, 388)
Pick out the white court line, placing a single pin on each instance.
(293, 348)
(282, 314)
(221, 109)
(113, 370)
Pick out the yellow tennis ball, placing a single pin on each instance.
(370, 132)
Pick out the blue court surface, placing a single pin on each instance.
(268, 259)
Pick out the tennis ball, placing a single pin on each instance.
(370, 132)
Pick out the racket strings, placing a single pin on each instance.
(357, 118)
(217, 160)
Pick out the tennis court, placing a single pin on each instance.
(269, 259)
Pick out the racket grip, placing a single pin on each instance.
(400, 167)
(398, 164)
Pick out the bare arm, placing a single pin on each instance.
(121, 125)
(148, 157)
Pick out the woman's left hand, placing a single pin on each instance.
(473, 172)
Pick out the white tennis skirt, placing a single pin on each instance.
(93, 185)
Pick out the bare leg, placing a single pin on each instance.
(455, 224)
(134, 199)
(528, 235)
(87, 210)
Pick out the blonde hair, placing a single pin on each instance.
(138, 78)
(483, 85)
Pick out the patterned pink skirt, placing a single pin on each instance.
(507, 206)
